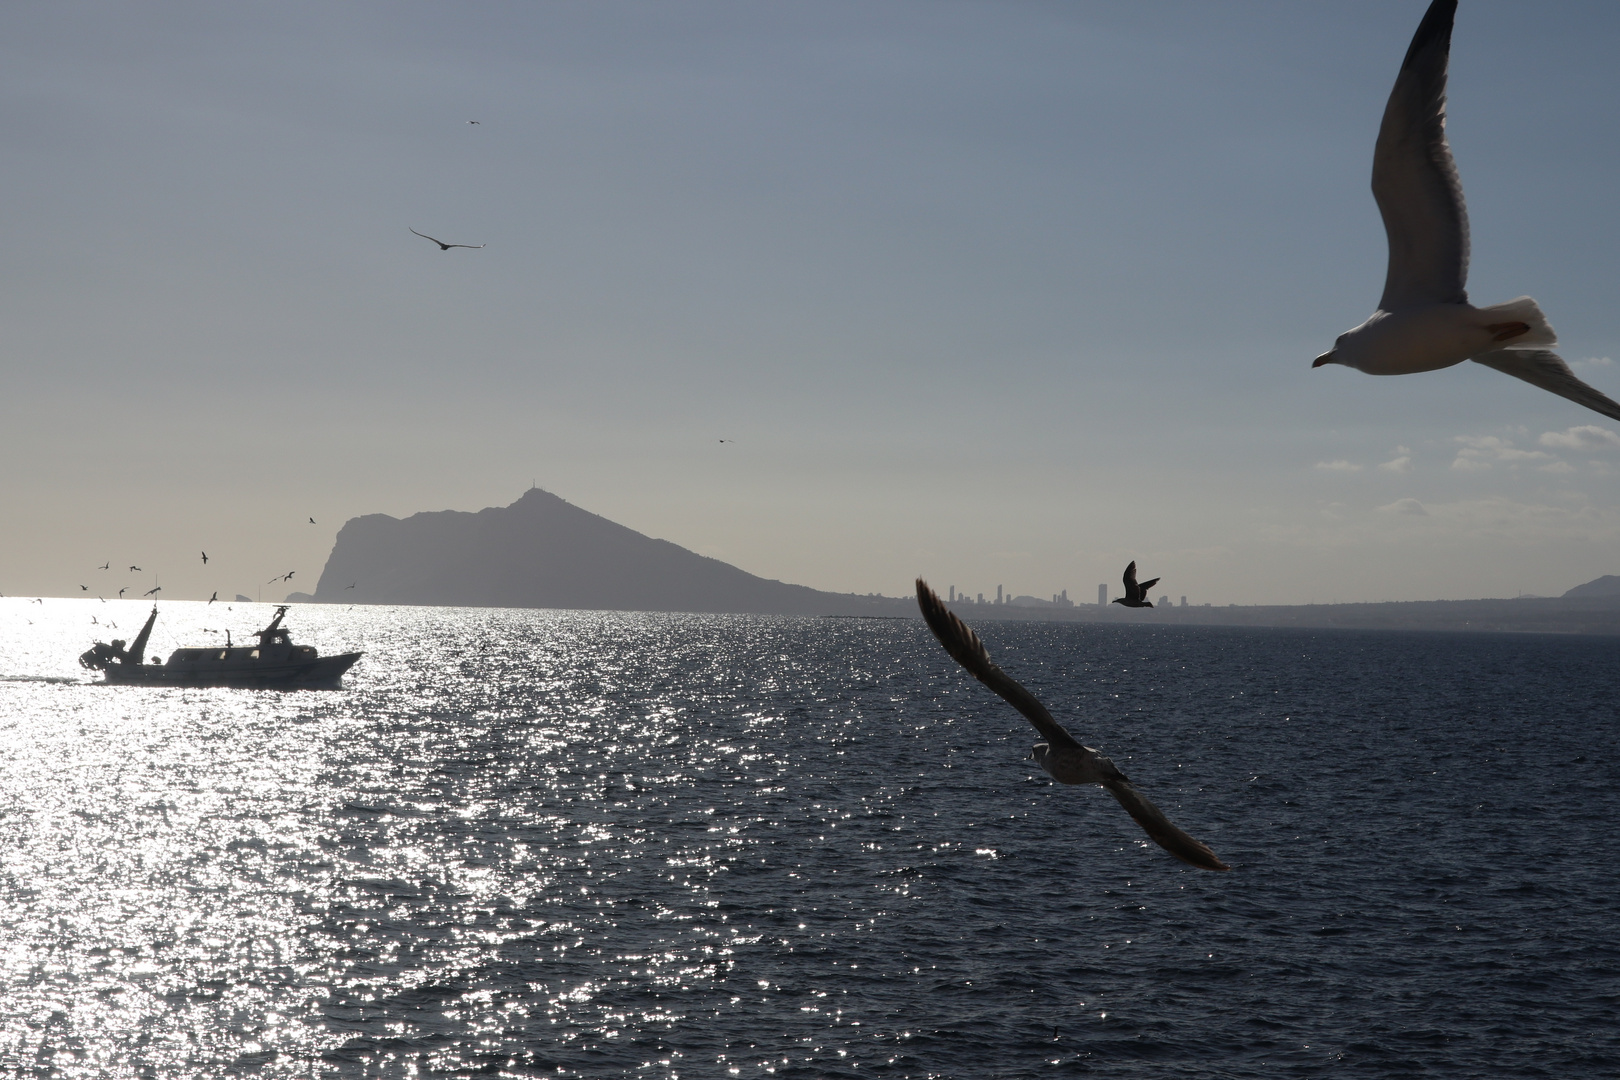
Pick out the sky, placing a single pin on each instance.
(996, 293)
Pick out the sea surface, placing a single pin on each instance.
(579, 844)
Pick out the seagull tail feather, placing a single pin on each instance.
(1525, 310)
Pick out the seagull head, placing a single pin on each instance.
(1332, 355)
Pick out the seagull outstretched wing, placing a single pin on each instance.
(1538, 367)
(446, 247)
(966, 649)
(1414, 178)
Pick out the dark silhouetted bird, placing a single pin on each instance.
(1135, 595)
(86, 588)
(471, 122)
(1063, 758)
(446, 247)
(312, 521)
(351, 585)
(211, 599)
(121, 592)
(106, 565)
(133, 569)
(153, 589)
(205, 558)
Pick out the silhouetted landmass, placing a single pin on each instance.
(544, 552)
(1607, 585)
(1551, 615)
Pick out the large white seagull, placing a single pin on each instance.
(1424, 320)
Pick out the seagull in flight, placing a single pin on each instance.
(1135, 595)
(312, 521)
(86, 588)
(1064, 759)
(106, 565)
(446, 247)
(1424, 321)
(211, 599)
(471, 122)
(121, 592)
(351, 586)
(153, 589)
(205, 558)
(134, 569)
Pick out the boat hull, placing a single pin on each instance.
(321, 673)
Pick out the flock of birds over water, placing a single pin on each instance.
(1424, 322)
(155, 589)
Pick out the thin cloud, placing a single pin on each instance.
(1592, 362)
(1586, 438)
(1479, 451)
(1338, 466)
(1408, 507)
(1402, 462)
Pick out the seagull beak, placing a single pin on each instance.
(1326, 358)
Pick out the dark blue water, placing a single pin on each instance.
(564, 844)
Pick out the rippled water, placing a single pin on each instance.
(604, 845)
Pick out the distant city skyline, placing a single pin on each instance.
(989, 293)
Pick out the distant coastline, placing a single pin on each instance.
(1537, 615)
(542, 552)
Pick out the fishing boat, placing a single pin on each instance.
(275, 663)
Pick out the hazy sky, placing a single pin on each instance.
(999, 293)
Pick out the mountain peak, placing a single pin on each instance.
(543, 551)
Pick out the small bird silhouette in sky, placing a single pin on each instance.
(134, 569)
(121, 592)
(351, 586)
(1135, 595)
(475, 122)
(205, 558)
(154, 589)
(86, 588)
(312, 521)
(106, 565)
(211, 599)
(444, 246)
